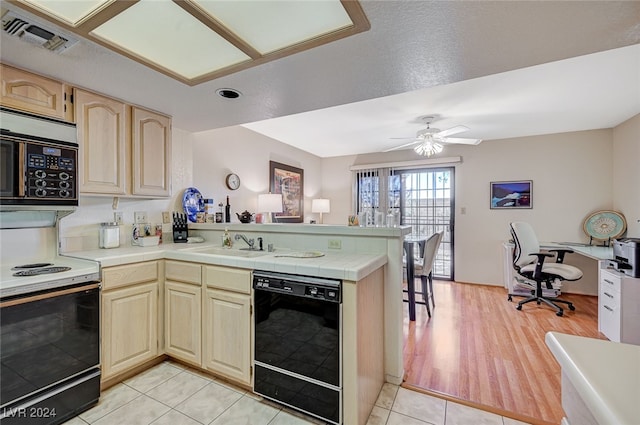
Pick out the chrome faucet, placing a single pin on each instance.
(249, 242)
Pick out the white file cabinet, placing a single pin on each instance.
(619, 307)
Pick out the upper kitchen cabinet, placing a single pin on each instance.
(104, 143)
(151, 153)
(125, 150)
(35, 94)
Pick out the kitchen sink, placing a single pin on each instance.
(232, 252)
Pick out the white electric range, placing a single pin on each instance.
(19, 278)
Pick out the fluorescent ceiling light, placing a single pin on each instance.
(195, 41)
(272, 25)
(165, 34)
(69, 11)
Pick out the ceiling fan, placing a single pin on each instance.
(429, 140)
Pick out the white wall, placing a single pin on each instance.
(572, 177)
(626, 173)
(217, 153)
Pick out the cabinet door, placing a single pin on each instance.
(32, 93)
(104, 144)
(151, 153)
(129, 327)
(182, 321)
(226, 331)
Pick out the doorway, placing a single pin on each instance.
(421, 198)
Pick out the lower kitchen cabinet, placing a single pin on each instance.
(182, 315)
(226, 326)
(129, 325)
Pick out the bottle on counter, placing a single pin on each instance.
(226, 239)
(227, 212)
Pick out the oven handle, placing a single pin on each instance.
(19, 301)
(21, 162)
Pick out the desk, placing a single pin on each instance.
(408, 244)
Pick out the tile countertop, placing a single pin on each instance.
(605, 374)
(336, 265)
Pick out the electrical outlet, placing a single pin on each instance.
(335, 244)
(140, 217)
(117, 217)
(166, 217)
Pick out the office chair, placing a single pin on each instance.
(529, 263)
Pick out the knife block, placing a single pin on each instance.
(180, 232)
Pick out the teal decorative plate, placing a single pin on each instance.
(604, 225)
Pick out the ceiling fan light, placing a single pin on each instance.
(428, 148)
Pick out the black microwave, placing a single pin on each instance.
(39, 161)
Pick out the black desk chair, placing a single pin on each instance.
(529, 263)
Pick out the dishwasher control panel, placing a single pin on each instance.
(297, 285)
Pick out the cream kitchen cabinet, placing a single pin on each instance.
(619, 307)
(129, 325)
(125, 150)
(33, 93)
(183, 311)
(227, 323)
(104, 143)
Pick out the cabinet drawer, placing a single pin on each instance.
(610, 281)
(226, 278)
(130, 274)
(183, 272)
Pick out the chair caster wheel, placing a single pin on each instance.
(559, 313)
(519, 307)
(509, 298)
(571, 307)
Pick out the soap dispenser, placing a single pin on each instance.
(226, 239)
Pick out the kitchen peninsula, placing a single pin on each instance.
(367, 260)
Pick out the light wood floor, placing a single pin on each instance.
(478, 348)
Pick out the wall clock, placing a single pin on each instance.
(232, 181)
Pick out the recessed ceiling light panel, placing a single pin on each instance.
(272, 25)
(229, 93)
(163, 33)
(71, 12)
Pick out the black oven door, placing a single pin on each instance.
(49, 340)
(10, 170)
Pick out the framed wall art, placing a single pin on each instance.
(289, 181)
(511, 194)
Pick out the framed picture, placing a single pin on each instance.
(511, 194)
(289, 181)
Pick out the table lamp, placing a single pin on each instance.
(320, 206)
(269, 203)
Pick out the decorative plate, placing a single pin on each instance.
(306, 254)
(603, 225)
(193, 203)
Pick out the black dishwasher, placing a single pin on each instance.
(298, 338)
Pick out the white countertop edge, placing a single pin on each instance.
(352, 267)
(320, 229)
(610, 401)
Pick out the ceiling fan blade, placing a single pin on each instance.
(406, 145)
(461, 141)
(401, 138)
(453, 130)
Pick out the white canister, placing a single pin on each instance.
(109, 235)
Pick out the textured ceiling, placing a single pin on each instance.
(430, 55)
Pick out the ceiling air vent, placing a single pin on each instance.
(21, 27)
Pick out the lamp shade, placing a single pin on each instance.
(320, 206)
(270, 202)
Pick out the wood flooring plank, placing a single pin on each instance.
(479, 349)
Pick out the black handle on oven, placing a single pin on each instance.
(47, 295)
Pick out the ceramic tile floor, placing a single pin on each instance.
(172, 394)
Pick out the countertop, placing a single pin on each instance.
(606, 375)
(336, 265)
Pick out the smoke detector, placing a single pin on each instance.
(35, 33)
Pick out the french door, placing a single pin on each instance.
(421, 198)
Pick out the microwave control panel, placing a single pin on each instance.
(50, 171)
